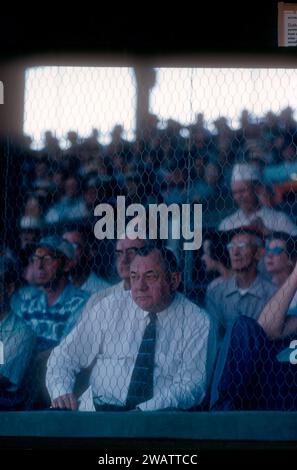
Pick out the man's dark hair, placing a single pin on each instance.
(290, 241)
(167, 256)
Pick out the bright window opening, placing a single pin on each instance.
(181, 93)
(61, 99)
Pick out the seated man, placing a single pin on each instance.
(16, 340)
(125, 252)
(256, 366)
(55, 310)
(246, 292)
(153, 349)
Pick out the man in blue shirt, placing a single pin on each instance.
(247, 291)
(55, 310)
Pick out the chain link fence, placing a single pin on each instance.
(128, 322)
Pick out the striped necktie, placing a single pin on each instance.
(142, 379)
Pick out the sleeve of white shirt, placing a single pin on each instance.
(75, 352)
(189, 384)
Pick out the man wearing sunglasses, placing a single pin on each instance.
(280, 257)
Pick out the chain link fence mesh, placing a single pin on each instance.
(72, 332)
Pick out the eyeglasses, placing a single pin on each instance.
(130, 252)
(276, 250)
(46, 259)
(240, 245)
(150, 277)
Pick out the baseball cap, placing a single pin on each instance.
(57, 243)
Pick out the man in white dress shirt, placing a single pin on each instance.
(111, 333)
(125, 251)
(245, 181)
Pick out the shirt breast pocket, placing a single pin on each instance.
(112, 373)
(111, 365)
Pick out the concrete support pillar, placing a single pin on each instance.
(145, 81)
(12, 75)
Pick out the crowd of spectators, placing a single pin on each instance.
(245, 180)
